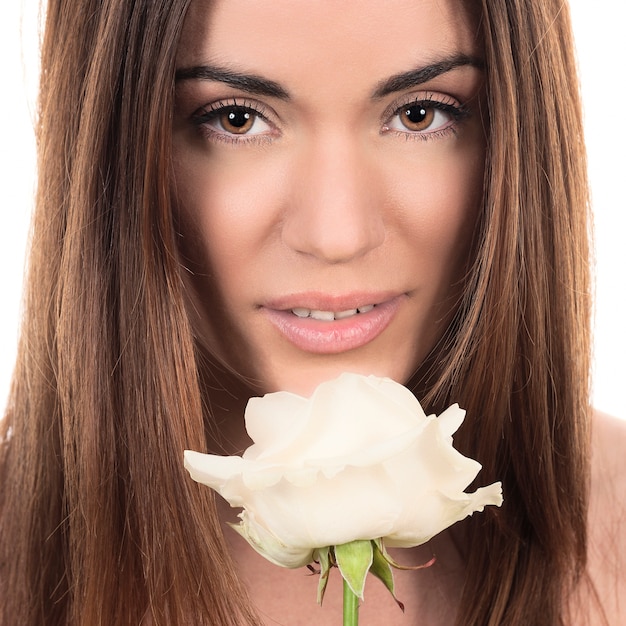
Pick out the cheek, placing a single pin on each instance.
(231, 209)
(440, 207)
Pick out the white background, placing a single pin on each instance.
(602, 55)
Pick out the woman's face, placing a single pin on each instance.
(328, 162)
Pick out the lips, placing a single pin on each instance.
(322, 325)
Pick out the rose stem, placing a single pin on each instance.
(350, 606)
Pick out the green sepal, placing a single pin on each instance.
(323, 557)
(381, 546)
(354, 560)
(381, 568)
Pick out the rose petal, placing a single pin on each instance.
(440, 513)
(451, 419)
(329, 512)
(213, 470)
(269, 546)
(347, 416)
(273, 420)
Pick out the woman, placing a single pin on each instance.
(210, 180)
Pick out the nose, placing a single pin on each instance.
(335, 207)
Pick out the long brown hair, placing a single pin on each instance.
(519, 359)
(100, 524)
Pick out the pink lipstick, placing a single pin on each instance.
(325, 325)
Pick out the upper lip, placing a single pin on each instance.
(328, 302)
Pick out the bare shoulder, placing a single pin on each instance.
(608, 461)
(607, 515)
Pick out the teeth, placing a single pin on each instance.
(329, 316)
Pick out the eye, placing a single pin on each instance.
(232, 120)
(424, 117)
(419, 117)
(239, 121)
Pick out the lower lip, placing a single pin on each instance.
(321, 337)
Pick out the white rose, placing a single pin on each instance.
(357, 460)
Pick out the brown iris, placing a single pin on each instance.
(237, 120)
(417, 117)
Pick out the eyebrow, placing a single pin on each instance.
(247, 82)
(254, 84)
(420, 75)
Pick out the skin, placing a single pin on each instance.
(329, 201)
(328, 194)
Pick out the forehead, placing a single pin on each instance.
(295, 39)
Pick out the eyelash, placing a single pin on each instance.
(211, 112)
(456, 111)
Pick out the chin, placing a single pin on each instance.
(302, 380)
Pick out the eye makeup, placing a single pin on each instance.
(424, 116)
(235, 120)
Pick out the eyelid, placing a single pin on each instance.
(441, 101)
(201, 116)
